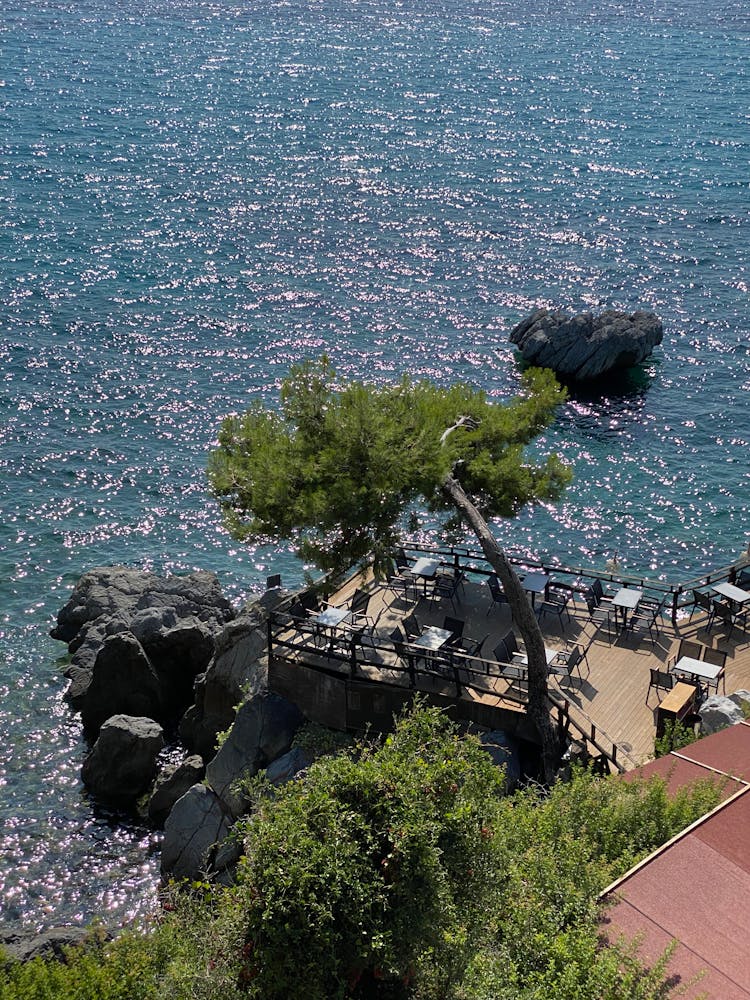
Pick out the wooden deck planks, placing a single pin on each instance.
(613, 694)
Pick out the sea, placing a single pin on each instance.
(196, 195)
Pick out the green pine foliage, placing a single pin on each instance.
(338, 465)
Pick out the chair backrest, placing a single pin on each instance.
(723, 611)
(508, 642)
(702, 600)
(591, 601)
(661, 679)
(401, 561)
(498, 594)
(690, 648)
(411, 625)
(360, 600)
(500, 653)
(454, 625)
(598, 590)
(273, 582)
(309, 600)
(715, 656)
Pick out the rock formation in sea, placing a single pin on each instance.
(138, 641)
(586, 347)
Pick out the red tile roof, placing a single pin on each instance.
(696, 889)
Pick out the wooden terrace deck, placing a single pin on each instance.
(613, 693)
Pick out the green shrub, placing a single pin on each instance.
(126, 969)
(676, 735)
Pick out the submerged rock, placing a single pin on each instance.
(585, 347)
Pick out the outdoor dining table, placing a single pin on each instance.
(735, 594)
(549, 655)
(696, 668)
(425, 568)
(626, 599)
(535, 583)
(433, 638)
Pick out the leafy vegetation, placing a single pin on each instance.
(676, 735)
(400, 870)
(341, 462)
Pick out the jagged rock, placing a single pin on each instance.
(585, 347)
(718, 712)
(122, 763)
(741, 699)
(239, 669)
(504, 752)
(289, 765)
(123, 682)
(196, 823)
(173, 618)
(23, 946)
(171, 784)
(262, 730)
(116, 592)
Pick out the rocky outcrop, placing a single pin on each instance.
(585, 346)
(171, 784)
(24, 946)
(718, 712)
(197, 823)
(138, 641)
(262, 731)
(239, 669)
(122, 762)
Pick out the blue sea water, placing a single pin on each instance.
(195, 195)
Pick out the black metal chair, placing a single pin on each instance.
(472, 647)
(719, 659)
(660, 679)
(445, 586)
(456, 626)
(497, 593)
(566, 661)
(687, 647)
(702, 601)
(411, 626)
(599, 616)
(555, 603)
(273, 582)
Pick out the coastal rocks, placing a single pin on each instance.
(171, 784)
(122, 762)
(196, 823)
(24, 946)
(263, 730)
(239, 669)
(585, 347)
(123, 681)
(139, 631)
(718, 712)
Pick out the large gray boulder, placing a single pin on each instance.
(171, 784)
(239, 669)
(122, 762)
(24, 946)
(585, 347)
(718, 712)
(263, 730)
(118, 592)
(174, 620)
(197, 822)
(123, 682)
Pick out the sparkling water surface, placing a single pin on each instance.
(195, 197)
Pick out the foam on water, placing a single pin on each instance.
(193, 198)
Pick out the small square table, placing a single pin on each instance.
(696, 668)
(626, 599)
(535, 583)
(331, 617)
(425, 568)
(433, 638)
(735, 594)
(549, 655)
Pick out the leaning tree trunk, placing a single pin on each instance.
(523, 616)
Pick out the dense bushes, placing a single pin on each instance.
(400, 870)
